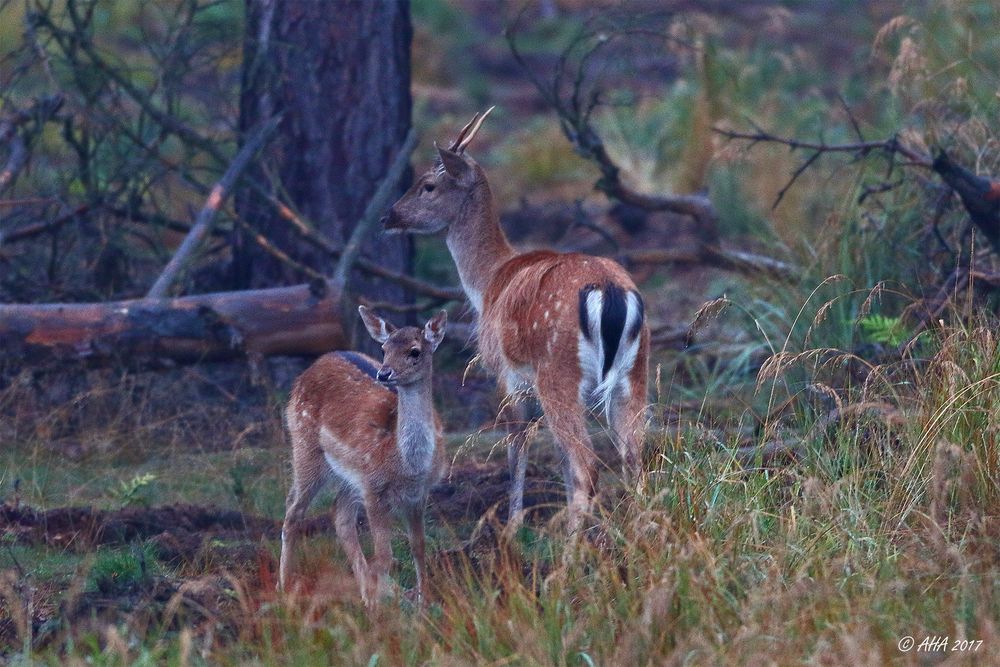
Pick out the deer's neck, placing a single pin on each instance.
(416, 431)
(477, 243)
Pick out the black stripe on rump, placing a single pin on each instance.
(613, 315)
(363, 365)
(641, 315)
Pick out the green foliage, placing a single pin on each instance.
(133, 491)
(120, 570)
(883, 329)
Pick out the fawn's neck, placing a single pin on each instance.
(416, 431)
(477, 243)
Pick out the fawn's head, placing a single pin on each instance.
(408, 350)
(437, 198)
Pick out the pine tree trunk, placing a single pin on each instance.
(339, 72)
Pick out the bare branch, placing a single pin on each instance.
(379, 201)
(15, 162)
(319, 241)
(206, 216)
(277, 253)
(35, 229)
(576, 126)
(746, 263)
(40, 111)
(795, 176)
(850, 116)
(890, 146)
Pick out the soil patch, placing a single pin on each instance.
(180, 531)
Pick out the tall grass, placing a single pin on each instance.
(885, 527)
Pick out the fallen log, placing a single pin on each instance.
(299, 320)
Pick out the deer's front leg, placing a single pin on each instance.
(415, 528)
(518, 414)
(379, 520)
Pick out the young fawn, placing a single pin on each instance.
(377, 434)
(568, 327)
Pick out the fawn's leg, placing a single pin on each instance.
(346, 522)
(379, 521)
(308, 480)
(415, 529)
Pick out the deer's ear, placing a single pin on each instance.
(456, 165)
(434, 329)
(378, 328)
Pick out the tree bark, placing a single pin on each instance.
(339, 72)
(156, 332)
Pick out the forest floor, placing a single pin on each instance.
(137, 565)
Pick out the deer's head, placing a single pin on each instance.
(437, 198)
(408, 350)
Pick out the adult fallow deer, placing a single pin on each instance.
(567, 326)
(374, 430)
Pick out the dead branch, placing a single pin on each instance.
(574, 113)
(299, 320)
(16, 160)
(319, 241)
(80, 37)
(712, 255)
(133, 215)
(930, 310)
(379, 201)
(664, 336)
(218, 195)
(17, 156)
(274, 251)
(861, 149)
(38, 228)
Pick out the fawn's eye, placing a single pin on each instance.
(428, 187)
(414, 353)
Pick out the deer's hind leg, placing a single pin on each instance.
(567, 421)
(310, 473)
(346, 522)
(627, 414)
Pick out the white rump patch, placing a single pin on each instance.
(597, 392)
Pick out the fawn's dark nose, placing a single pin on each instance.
(384, 375)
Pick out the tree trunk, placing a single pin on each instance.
(155, 332)
(339, 72)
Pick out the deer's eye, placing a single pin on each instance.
(413, 354)
(428, 187)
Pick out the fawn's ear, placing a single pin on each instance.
(378, 328)
(434, 329)
(456, 165)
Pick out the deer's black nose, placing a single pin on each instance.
(384, 220)
(384, 375)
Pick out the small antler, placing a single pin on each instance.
(468, 132)
(461, 135)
